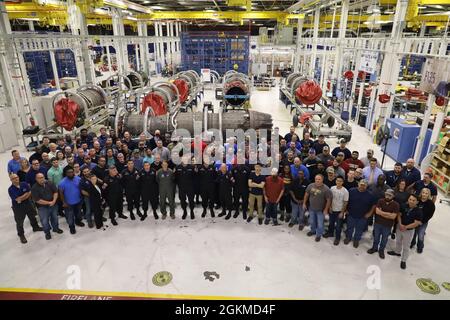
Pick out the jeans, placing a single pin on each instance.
(381, 236)
(357, 225)
(73, 213)
(419, 232)
(316, 219)
(49, 215)
(335, 223)
(298, 214)
(87, 209)
(271, 211)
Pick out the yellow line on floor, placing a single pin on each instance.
(125, 294)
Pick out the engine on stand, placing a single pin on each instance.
(190, 88)
(304, 96)
(235, 91)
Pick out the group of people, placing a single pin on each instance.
(78, 179)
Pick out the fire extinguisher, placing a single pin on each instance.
(32, 122)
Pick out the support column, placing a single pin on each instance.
(170, 50)
(54, 69)
(120, 45)
(424, 128)
(31, 25)
(142, 32)
(161, 46)
(314, 48)
(298, 47)
(337, 68)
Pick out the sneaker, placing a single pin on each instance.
(327, 235)
(122, 216)
(23, 239)
(266, 222)
(144, 216)
(59, 231)
(300, 227)
(347, 240)
(317, 239)
(37, 229)
(381, 254)
(164, 216)
(275, 223)
(419, 250)
(282, 217)
(393, 253)
(336, 242)
(249, 219)
(114, 222)
(403, 265)
(79, 224)
(371, 251)
(355, 243)
(73, 231)
(290, 224)
(236, 214)
(260, 221)
(90, 224)
(48, 236)
(393, 236)
(310, 233)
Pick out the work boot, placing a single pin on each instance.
(72, 230)
(184, 214)
(317, 238)
(204, 213)
(212, 213)
(276, 223)
(403, 265)
(266, 222)
(355, 243)
(172, 215)
(48, 236)
(300, 227)
(310, 233)
(327, 235)
(347, 240)
(236, 214)
(144, 216)
(244, 215)
(381, 254)
(122, 216)
(371, 251)
(164, 216)
(250, 218)
(132, 217)
(260, 221)
(192, 215)
(228, 215)
(90, 224)
(79, 223)
(222, 214)
(336, 242)
(114, 222)
(393, 253)
(23, 239)
(155, 215)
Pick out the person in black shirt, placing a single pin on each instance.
(427, 205)
(256, 184)
(319, 169)
(342, 148)
(350, 182)
(149, 190)
(184, 178)
(330, 179)
(100, 170)
(95, 200)
(225, 183)
(285, 201)
(319, 144)
(310, 162)
(130, 183)
(36, 155)
(409, 219)
(241, 174)
(297, 194)
(114, 194)
(394, 176)
(288, 135)
(157, 164)
(45, 145)
(207, 181)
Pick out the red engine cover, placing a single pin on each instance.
(384, 98)
(66, 113)
(440, 101)
(361, 75)
(183, 89)
(348, 74)
(309, 92)
(156, 102)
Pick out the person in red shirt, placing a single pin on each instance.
(273, 191)
(196, 143)
(352, 163)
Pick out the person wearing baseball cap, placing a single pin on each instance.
(325, 156)
(310, 162)
(361, 204)
(386, 212)
(273, 191)
(342, 148)
(330, 179)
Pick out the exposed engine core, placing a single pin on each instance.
(236, 88)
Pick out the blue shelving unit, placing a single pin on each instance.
(39, 68)
(217, 51)
(65, 63)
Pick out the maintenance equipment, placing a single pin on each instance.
(235, 91)
(305, 97)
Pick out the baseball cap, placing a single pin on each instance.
(390, 192)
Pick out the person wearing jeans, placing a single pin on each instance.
(70, 194)
(84, 186)
(361, 204)
(338, 208)
(386, 212)
(297, 193)
(427, 205)
(273, 191)
(45, 195)
(319, 197)
(408, 220)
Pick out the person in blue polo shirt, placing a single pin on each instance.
(14, 163)
(410, 172)
(20, 194)
(299, 166)
(425, 183)
(36, 168)
(69, 191)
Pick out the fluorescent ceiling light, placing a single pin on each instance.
(131, 18)
(389, 12)
(29, 19)
(210, 10)
(158, 7)
(145, 2)
(101, 11)
(421, 7)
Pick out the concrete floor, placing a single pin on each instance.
(282, 262)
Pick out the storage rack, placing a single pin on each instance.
(440, 163)
(218, 51)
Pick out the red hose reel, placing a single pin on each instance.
(309, 92)
(66, 113)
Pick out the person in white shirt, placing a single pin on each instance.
(338, 208)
